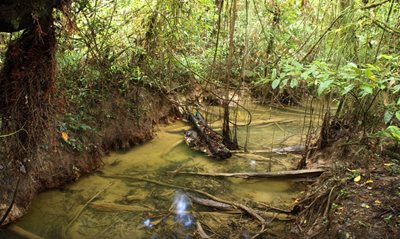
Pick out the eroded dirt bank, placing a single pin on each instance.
(357, 198)
(67, 154)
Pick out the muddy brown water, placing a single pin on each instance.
(131, 208)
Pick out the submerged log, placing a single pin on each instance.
(204, 139)
(289, 149)
(303, 173)
(107, 206)
(211, 203)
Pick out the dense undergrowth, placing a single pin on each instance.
(119, 64)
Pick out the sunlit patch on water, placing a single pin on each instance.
(147, 223)
(181, 205)
(253, 164)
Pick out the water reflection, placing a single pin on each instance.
(181, 205)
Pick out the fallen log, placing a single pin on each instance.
(256, 157)
(204, 139)
(210, 203)
(289, 149)
(303, 173)
(280, 215)
(261, 123)
(283, 150)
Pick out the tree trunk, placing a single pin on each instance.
(226, 133)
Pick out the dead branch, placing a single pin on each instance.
(80, 211)
(244, 208)
(107, 206)
(210, 203)
(280, 174)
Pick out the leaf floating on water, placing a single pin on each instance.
(357, 179)
(64, 136)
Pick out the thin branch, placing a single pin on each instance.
(374, 5)
(385, 27)
(322, 36)
(383, 33)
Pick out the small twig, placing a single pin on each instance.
(321, 37)
(374, 5)
(329, 202)
(80, 211)
(106, 229)
(11, 134)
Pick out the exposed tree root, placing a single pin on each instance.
(315, 206)
(26, 92)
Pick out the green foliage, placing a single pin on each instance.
(339, 48)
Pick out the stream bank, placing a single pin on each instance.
(77, 141)
(357, 198)
(135, 192)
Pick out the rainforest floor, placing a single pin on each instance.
(353, 199)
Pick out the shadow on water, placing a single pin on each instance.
(132, 208)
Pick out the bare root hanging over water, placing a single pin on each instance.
(27, 85)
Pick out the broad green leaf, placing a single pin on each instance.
(273, 74)
(394, 132)
(386, 57)
(323, 86)
(352, 65)
(293, 83)
(388, 116)
(276, 83)
(398, 115)
(305, 74)
(367, 89)
(396, 89)
(368, 73)
(347, 89)
(284, 82)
